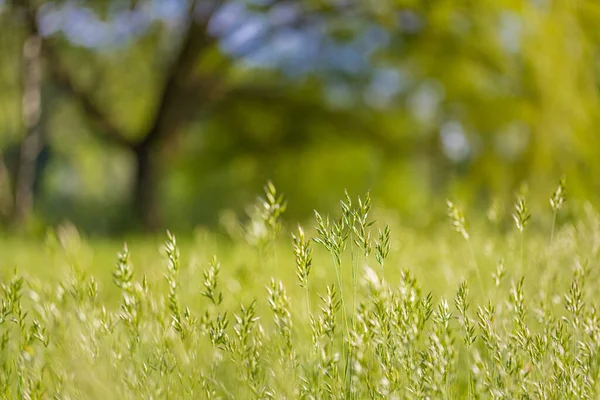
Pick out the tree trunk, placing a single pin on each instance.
(33, 142)
(6, 196)
(144, 196)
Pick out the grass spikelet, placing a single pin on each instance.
(279, 304)
(303, 255)
(521, 214)
(457, 218)
(172, 253)
(211, 278)
(556, 202)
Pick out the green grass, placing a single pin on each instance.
(366, 310)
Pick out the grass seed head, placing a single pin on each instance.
(521, 214)
(123, 273)
(559, 195)
(303, 255)
(457, 219)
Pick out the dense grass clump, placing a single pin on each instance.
(360, 310)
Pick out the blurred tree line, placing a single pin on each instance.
(121, 114)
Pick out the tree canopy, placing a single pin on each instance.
(119, 114)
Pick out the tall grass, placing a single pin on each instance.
(380, 319)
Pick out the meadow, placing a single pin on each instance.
(353, 305)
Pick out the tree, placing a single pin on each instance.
(195, 77)
(483, 93)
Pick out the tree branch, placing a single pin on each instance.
(96, 116)
(63, 78)
(195, 41)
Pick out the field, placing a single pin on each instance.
(345, 308)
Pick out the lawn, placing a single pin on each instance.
(354, 305)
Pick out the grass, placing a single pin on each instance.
(349, 308)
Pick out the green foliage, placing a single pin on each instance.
(413, 102)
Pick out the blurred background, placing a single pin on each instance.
(125, 116)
